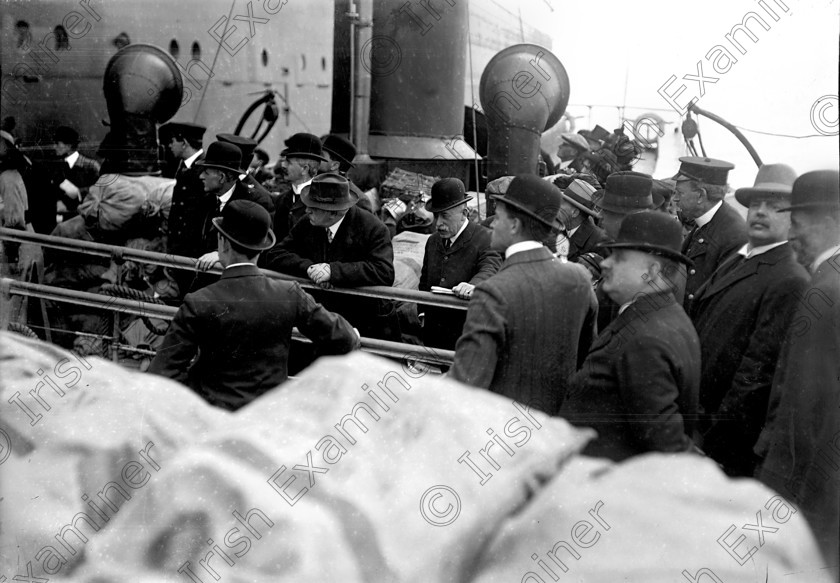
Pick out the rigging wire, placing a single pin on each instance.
(472, 113)
(215, 58)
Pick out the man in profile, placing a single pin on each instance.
(230, 341)
(517, 341)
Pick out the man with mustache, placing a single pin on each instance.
(299, 164)
(458, 256)
(741, 314)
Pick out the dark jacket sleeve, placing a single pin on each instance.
(376, 269)
(478, 348)
(489, 260)
(424, 271)
(289, 255)
(649, 392)
(180, 345)
(330, 332)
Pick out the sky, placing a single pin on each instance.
(621, 53)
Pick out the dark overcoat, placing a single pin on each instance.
(360, 254)
(741, 315)
(470, 259)
(638, 387)
(586, 239)
(801, 442)
(708, 246)
(190, 205)
(238, 332)
(248, 190)
(525, 327)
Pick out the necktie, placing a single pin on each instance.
(329, 236)
(447, 243)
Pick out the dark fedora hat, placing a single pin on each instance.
(221, 155)
(627, 192)
(653, 232)
(330, 192)
(533, 196)
(772, 181)
(579, 194)
(246, 145)
(819, 189)
(706, 170)
(303, 145)
(182, 130)
(447, 193)
(247, 224)
(340, 149)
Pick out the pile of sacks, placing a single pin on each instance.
(361, 469)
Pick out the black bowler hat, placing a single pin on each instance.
(67, 136)
(223, 156)
(247, 224)
(627, 192)
(653, 232)
(330, 192)
(182, 130)
(304, 145)
(706, 170)
(533, 196)
(340, 149)
(447, 193)
(819, 189)
(246, 145)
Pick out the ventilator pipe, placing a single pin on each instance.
(142, 87)
(735, 131)
(524, 91)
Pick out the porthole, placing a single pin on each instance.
(174, 49)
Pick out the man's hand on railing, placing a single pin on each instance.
(208, 261)
(320, 274)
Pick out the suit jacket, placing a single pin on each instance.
(708, 246)
(525, 327)
(246, 190)
(360, 254)
(189, 205)
(639, 384)
(800, 441)
(469, 259)
(230, 340)
(741, 315)
(586, 239)
(290, 210)
(84, 174)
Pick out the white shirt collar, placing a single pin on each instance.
(334, 228)
(745, 251)
(708, 215)
(824, 256)
(572, 232)
(238, 264)
(297, 188)
(72, 159)
(522, 246)
(453, 238)
(626, 305)
(189, 161)
(226, 197)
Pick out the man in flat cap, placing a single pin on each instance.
(458, 256)
(571, 146)
(219, 172)
(718, 229)
(639, 384)
(517, 341)
(800, 443)
(230, 341)
(300, 162)
(78, 171)
(340, 245)
(190, 204)
(741, 314)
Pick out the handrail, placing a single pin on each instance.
(189, 263)
(139, 308)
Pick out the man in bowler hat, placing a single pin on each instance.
(230, 341)
(718, 230)
(458, 256)
(339, 153)
(300, 162)
(219, 172)
(741, 315)
(800, 443)
(340, 245)
(639, 384)
(517, 340)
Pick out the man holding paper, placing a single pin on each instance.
(458, 257)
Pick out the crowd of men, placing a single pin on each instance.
(647, 309)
